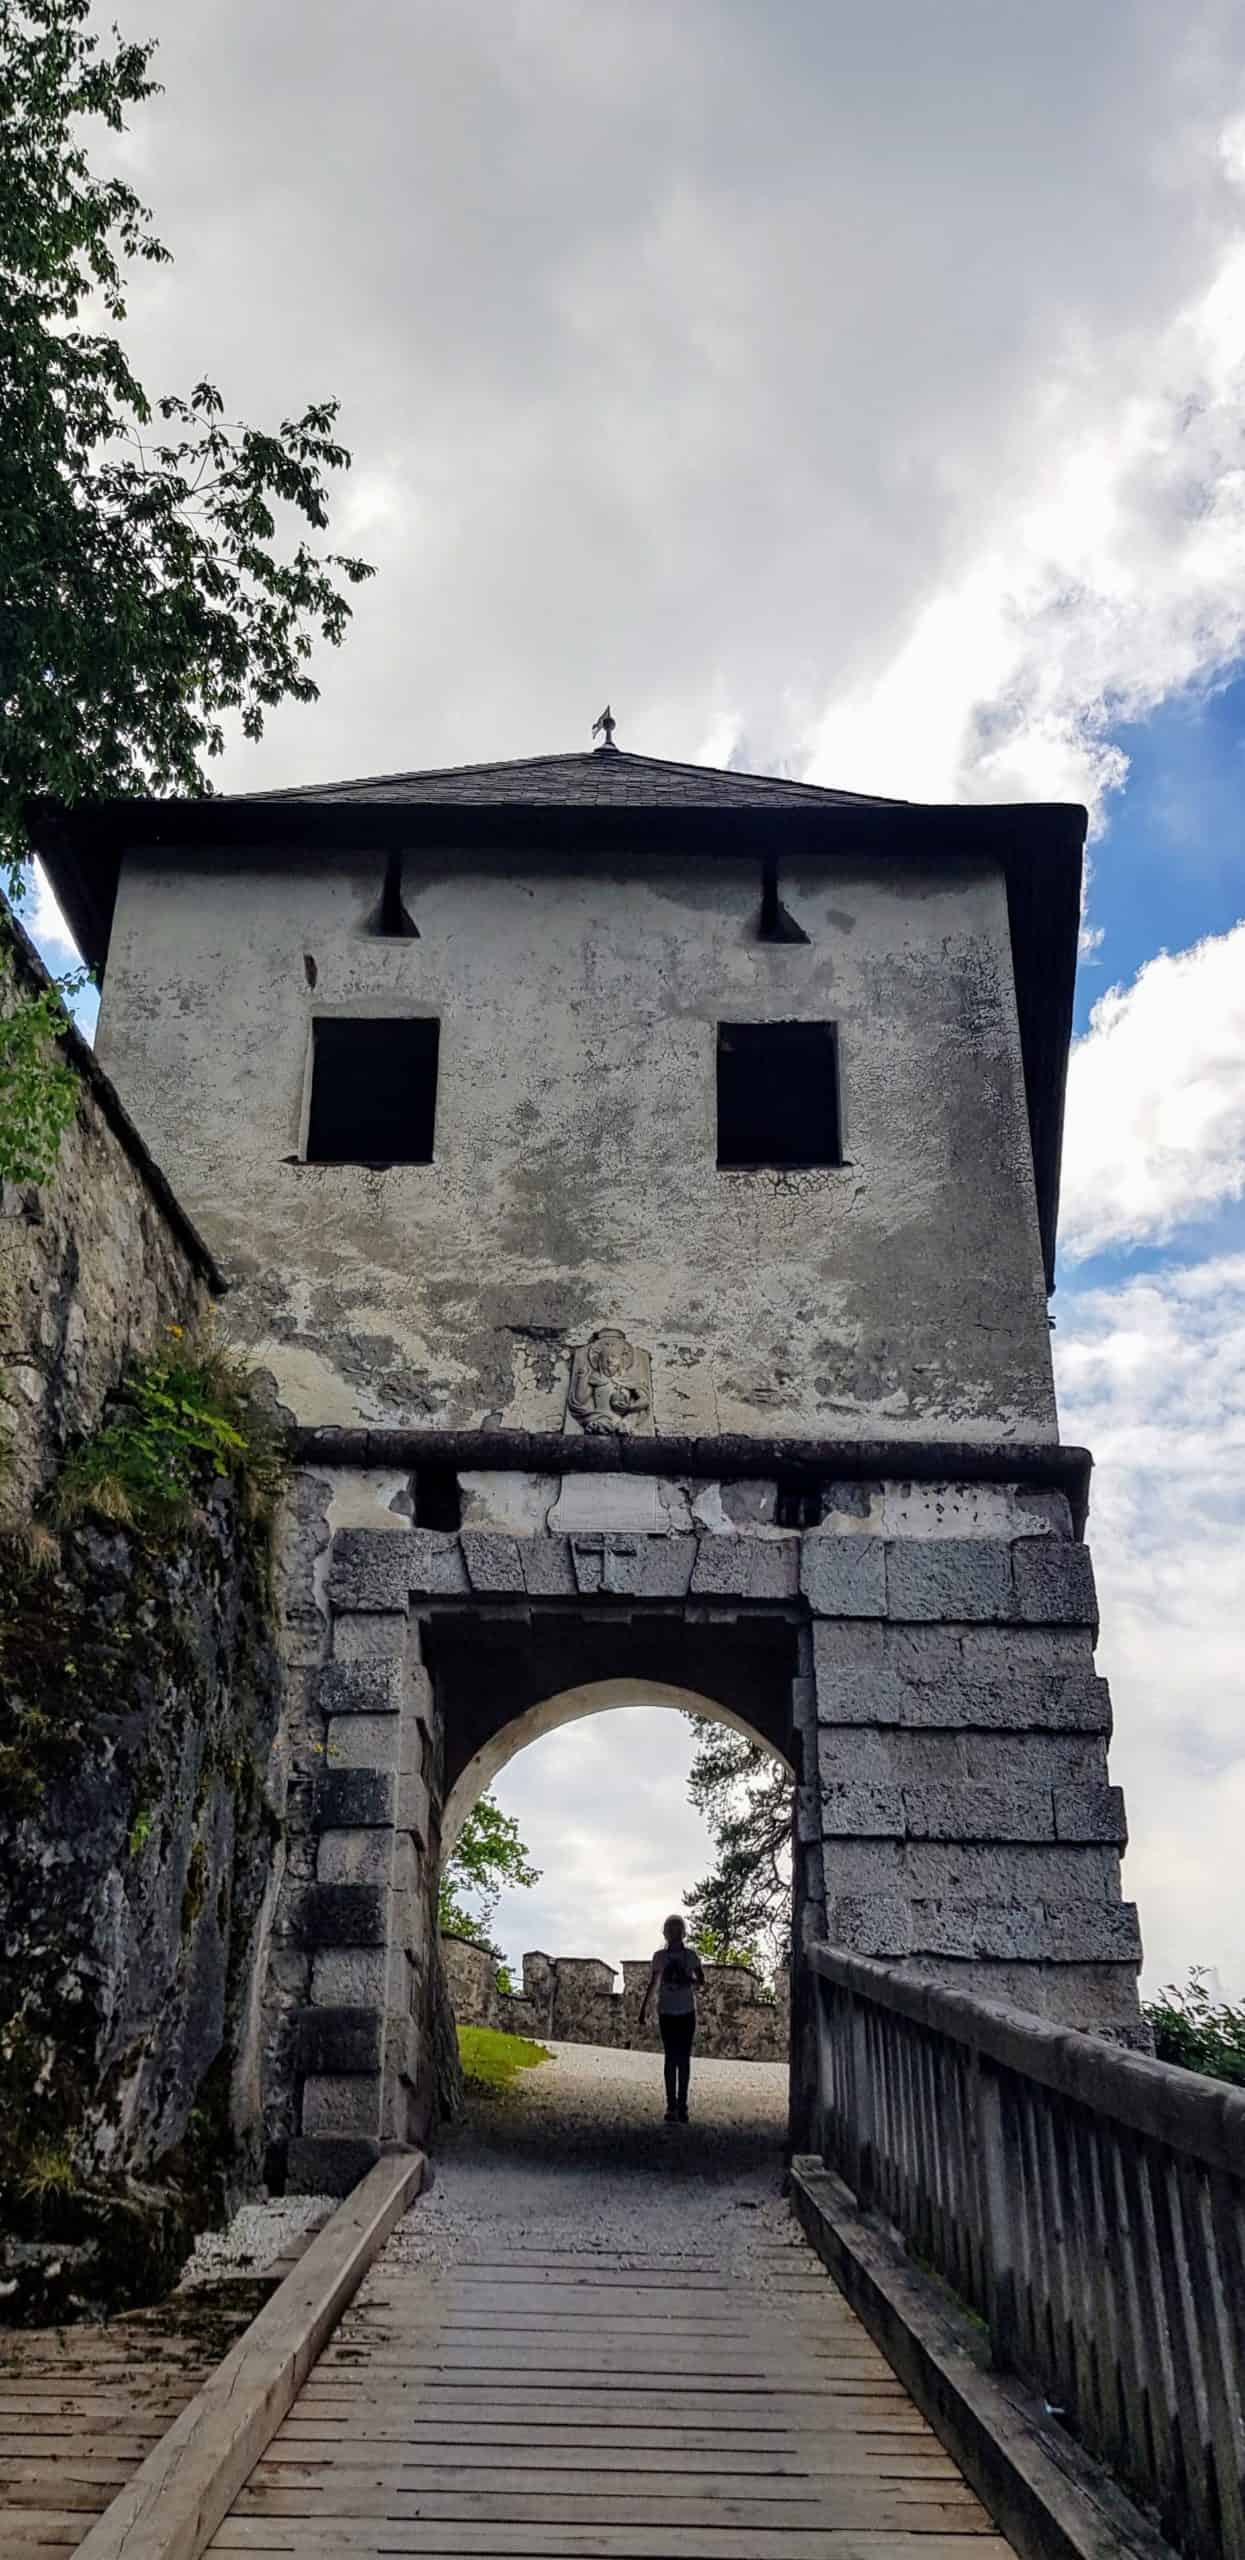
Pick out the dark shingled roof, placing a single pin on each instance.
(605, 778)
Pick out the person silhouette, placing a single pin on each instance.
(677, 1973)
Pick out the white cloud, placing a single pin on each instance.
(1110, 575)
(1152, 1376)
(603, 1808)
(1156, 1100)
(866, 387)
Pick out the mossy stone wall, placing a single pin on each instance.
(139, 1699)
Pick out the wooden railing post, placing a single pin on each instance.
(863, 2155)
(823, 1998)
(997, 2188)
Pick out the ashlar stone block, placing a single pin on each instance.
(870, 1924)
(644, 1568)
(492, 1561)
(1090, 1812)
(380, 1635)
(342, 2102)
(858, 1811)
(326, 2164)
(348, 1977)
(955, 1579)
(1032, 1933)
(844, 1577)
(359, 1688)
(545, 1564)
(1062, 1759)
(354, 1857)
(1023, 1811)
(1021, 1650)
(1015, 1871)
(379, 1569)
(1055, 1583)
(882, 1754)
(335, 2041)
(362, 1742)
(355, 1799)
(866, 1867)
(744, 1568)
(343, 1915)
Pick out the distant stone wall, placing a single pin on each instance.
(95, 1264)
(572, 2000)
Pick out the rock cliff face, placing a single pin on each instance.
(139, 1697)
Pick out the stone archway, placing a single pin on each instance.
(932, 1683)
(572, 1996)
(589, 1698)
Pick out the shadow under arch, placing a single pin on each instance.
(569, 1706)
(501, 1681)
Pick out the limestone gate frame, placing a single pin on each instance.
(934, 1689)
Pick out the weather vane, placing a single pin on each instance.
(605, 724)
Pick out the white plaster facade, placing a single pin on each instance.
(575, 1181)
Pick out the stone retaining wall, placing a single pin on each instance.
(95, 1264)
(573, 2000)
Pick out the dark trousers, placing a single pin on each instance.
(676, 2036)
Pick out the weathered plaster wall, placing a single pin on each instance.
(574, 2000)
(575, 1180)
(94, 1266)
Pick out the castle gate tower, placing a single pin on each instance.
(640, 1182)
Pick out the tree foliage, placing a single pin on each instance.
(155, 571)
(1201, 2033)
(489, 1854)
(38, 1088)
(741, 1910)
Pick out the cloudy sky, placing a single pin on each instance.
(849, 393)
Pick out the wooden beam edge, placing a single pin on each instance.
(1048, 2496)
(174, 2502)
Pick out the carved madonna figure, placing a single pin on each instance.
(611, 1383)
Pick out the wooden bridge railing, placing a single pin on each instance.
(1088, 2202)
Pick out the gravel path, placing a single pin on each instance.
(575, 2155)
(258, 2234)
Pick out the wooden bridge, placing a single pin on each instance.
(1075, 2390)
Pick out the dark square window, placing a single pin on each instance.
(373, 1091)
(778, 1093)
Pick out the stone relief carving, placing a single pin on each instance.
(611, 1385)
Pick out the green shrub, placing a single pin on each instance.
(1199, 2033)
(176, 1425)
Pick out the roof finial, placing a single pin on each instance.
(608, 724)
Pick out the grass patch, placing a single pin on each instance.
(492, 2060)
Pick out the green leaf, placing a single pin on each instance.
(152, 587)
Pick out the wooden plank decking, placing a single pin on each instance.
(81, 2406)
(565, 2406)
